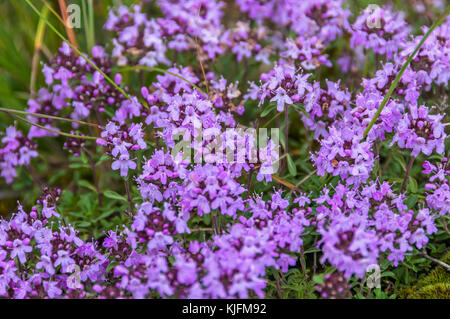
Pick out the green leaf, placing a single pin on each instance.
(412, 183)
(301, 108)
(102, 159)
(87, 185)
(411, 201)
(318, 279)
(291, 166)
(388, 274)
(401, 161)
(111, 266)
(84, 224)
(105, 215)
(113, 195)
(267, 110)
(312, 250)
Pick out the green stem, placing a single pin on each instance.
(86, 22)
(78, 51)
(286, 132)
(91, 38)
(402, 70)
(53, 131)
(306, 178)
(408, 169)
(130, 201)
(6, 110)
(272, 119)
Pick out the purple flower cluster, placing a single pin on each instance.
(325, 19)
(160, 177)
(139, 40)
(344, 153)
(15, 150)
(193, 24)
(41, 260)
(223, 95)
(230, 265)
(186, 26)
(121, 142)
(367, 104)
(282, 85)
(325, 107)
(379, 29)
(438, 190)
(74, 82)
(357, 225)
(432, 63)
(420, 131)
(211, 187)
(246, 42)
(306, 52)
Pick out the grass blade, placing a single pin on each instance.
(37, 48)
(7, 110)
(53, 131)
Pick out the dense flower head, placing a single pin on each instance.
(438, 189)
(357, 226)
(344, 153)
(223, 94)
(208, 188)
(349, 245)
(380, 29)
(246, 42)
(139, 40)
(121, 141)
(408, 87)
(432, 62)
(420, 131)
(257, 10)
(197, 24)
(156, 227)
(46, 258)
(74, 82)
(429, 66)
(324, 19)
(160, 177)
(306, 52)
(282, 85)
(15, 150)
(325, 107)
(366, 105)
(45, 103)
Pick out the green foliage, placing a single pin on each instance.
(436, 285)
